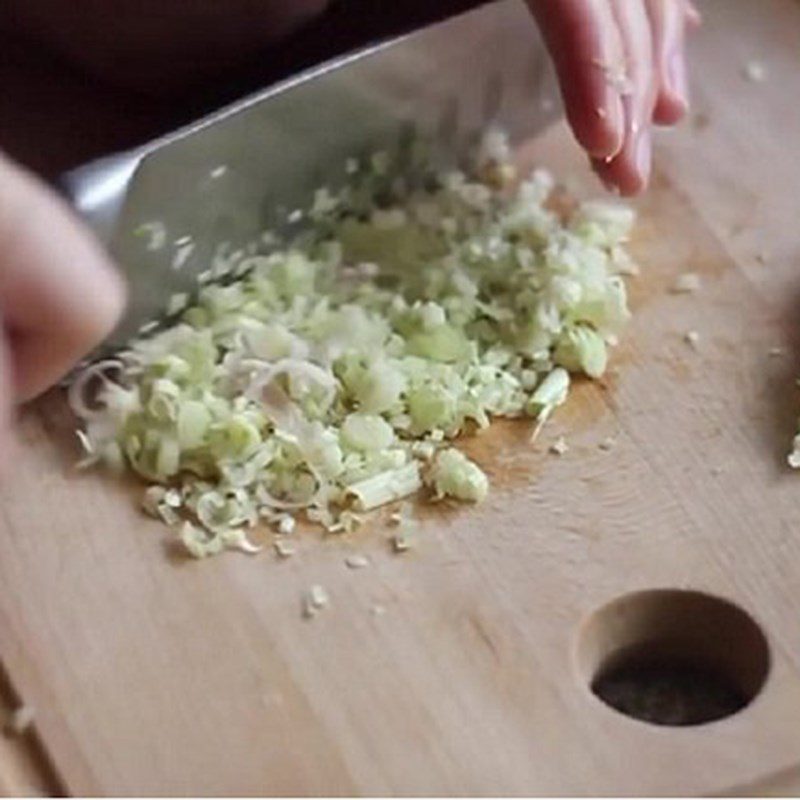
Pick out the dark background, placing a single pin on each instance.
(54, 116)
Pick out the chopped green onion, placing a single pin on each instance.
(454, 475)
(326, 373)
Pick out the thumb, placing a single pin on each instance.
(59, 293)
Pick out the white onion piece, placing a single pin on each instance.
(76, 394)
(266, 498)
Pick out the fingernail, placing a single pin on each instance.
(678, 83)
(644, 152)
(615, 118)
(612, 116)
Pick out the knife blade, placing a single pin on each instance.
(235, 173)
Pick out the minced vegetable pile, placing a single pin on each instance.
(330, 372)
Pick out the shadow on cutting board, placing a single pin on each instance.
(25, 769)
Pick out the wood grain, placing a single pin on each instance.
(155, 675)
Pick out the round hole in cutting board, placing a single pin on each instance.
(673, 657)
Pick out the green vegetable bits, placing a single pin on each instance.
(326, 375)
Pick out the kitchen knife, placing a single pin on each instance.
(235, 173)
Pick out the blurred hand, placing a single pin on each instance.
(621, 65)
(59, 296)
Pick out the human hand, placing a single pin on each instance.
(59, 295)
(621, 66)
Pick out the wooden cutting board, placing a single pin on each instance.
(462, 667)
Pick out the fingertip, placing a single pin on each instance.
(61, 294)
(599, 131)
(694, 19)
(83, 317)
(675, 84)
(629, 173)
(670, 108)
(628, 187)
(634, 186)
(672, 97)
